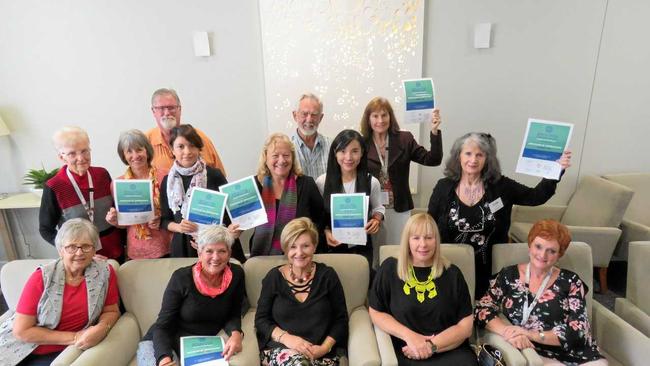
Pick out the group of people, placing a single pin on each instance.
(420, 298)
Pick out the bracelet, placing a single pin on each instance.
(74, 339)
(542, 336)
(280, 336)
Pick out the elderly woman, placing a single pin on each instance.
(472, 204)
(201, 299)
(422, 284)
(347, 172)
(301, 314)
(143, 240)
(390, 152)
(78, 190)
(188, 171)
(545, 304)
(286, 194)
(71, 301)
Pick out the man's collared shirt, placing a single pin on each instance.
(163, 157)
(313, 162)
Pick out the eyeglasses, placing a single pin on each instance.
(73, 154)
(305, 114)
(171, 108)
(72, 249)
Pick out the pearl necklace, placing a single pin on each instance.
(303, 279)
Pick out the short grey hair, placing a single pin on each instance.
(312, 97)
(74, 230)
(213, 234)
(69, 135)
(134, 139)
(492, 169)
(165, 91)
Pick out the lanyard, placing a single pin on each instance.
(90, 209)
(384, 165)
(527, 310)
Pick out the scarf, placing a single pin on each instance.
(205, 288)
(267, 237)
(142, 231)
(176, 195)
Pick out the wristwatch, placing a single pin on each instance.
(434, 348)
(542, 336)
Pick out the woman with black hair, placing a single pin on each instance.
(347, 172)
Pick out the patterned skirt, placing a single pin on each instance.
(290, 357)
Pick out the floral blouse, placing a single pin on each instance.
(561, 308)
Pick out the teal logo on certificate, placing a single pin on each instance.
(202, 351)
(206, 207)
(133, 201)
(420, 100)
(349, 213)
(543, 145)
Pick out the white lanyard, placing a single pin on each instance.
(527, 310)
(90, 210)
(384, 165)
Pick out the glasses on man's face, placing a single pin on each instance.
(170, 108)
(73, 154)
(72, 249)
(305, 114)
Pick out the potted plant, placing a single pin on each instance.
(38, 177)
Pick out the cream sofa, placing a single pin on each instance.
(462, 256)
(352, 270)
(636, 221)
(634, 308)
(593, 215)
(13, 277)
(618, 341)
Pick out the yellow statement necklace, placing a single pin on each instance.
(420, 286)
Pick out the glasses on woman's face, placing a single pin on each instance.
(72, 249)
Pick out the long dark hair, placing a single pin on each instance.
(333, 181)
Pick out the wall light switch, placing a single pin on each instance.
(201, 44)
(482, 33)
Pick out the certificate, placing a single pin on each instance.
(349, 217)
(206, 207)
(244, 203)
(202, 351)
(543, 145)
(419, 95)
(133, 201)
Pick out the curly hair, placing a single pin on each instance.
(488, 145)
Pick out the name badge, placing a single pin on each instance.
(496, 205)
(385, 198)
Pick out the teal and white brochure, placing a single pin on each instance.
(133, 201)
(419, 97)
(244, 203)
(206, 207)
(349, 215)
(202, 351)
(543, 145)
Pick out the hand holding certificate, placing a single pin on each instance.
(202, 351)
(206, 207)
(133, 201)
(349, 217)
(244, 203)
(420, 100)
(543, 145)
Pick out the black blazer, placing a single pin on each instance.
(402, 149)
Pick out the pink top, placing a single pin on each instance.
(74, 313)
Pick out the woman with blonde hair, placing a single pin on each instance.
(286, 194)
(419, 285)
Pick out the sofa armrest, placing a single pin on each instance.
(602, 241)
(632, 315)
(511, 355)
(385, 345)
(618, 338)
(250, 354)
(362, 348)
(535, 213)
(68, 356)
(118, 348)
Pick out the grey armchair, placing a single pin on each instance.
(634, 308)
(620, 343)
(593, 215)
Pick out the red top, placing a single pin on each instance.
(74, 315)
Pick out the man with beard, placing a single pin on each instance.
(311, 147)
(166, 108)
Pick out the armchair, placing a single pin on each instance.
(634, 308)
(593, 215)
(352, 270)
(619, 342)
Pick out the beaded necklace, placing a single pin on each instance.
(420, 286)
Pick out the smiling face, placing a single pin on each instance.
(379, 121)
(214, 258)
(308, 116)
(279, 159)
(167, 111)
(349, 157)
(185, 152)
(472, 158)
(423, 248)
(543, 253)
(77, 261)
(136, 157)
(76, 155)
(301, 252)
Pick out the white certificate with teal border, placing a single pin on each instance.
(202, 351)
(244, 203)
(206, 207)
(349, 215)
(419, 97)
(133, 201)
(543, 145)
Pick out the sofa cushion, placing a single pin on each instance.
(639, 208)
(598, 203)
